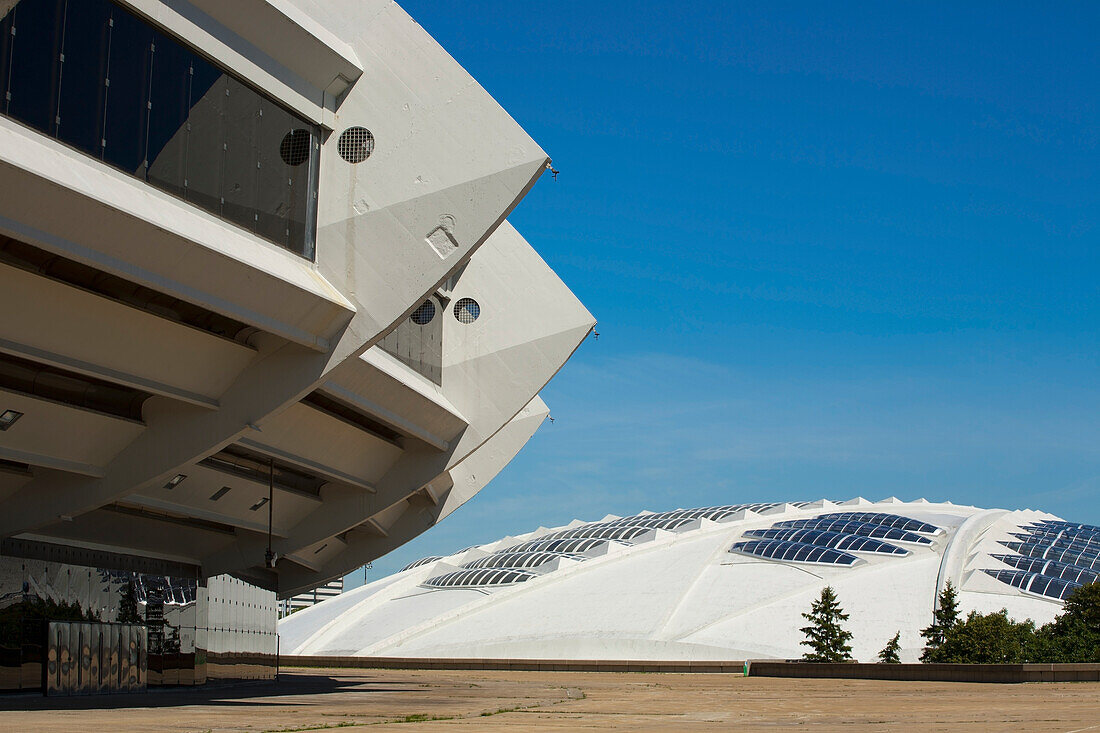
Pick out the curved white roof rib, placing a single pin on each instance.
(728, 583)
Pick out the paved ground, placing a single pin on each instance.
(412, 701)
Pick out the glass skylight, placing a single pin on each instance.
(518, 559)
(562, 546)
(622, 532)
(1050, 568)
(1080, 558)
(421, 561)
(1041, 585)
(849, 526)
(835, 540)
(479, 578)
(888, 520)
(794, 552)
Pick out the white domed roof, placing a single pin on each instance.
(727, 582)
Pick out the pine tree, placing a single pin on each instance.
(127, 606)
(827, 640)
(889, 653)
(945, 618)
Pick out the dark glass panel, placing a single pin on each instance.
(106, 82)
(170, 104)
(240, 174)
(206, 141)
(280, 132)
(80, 108)
(6, 48)
(127, 98)
(301, 181)
(35, 62)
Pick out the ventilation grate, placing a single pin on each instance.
(355, 144)
(219, 493)
(294, 149)
(423, 315)
(467, 310)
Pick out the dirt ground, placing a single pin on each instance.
(565, 701)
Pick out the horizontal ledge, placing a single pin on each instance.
(532, 665)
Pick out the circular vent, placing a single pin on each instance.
(467, 310)
(356, 144)
(294, 149)
(423, 315)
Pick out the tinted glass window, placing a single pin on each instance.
(103, 80)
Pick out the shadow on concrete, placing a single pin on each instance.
(289, 684)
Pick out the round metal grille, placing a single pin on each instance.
(467, 310)
(355, 144)
(423, 315)
(294, 149)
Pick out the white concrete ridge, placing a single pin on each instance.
(687, 584)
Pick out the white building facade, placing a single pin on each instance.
(261, 311)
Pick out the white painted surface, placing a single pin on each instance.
(678, 595)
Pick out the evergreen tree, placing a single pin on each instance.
(128, 606)
(889, 653)
(945, 618)
(1074, 636)
(991, 638)
(827, 640)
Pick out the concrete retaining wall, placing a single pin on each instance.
(931, 672)
(527, 665)
(1002, 673)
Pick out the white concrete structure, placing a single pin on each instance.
(256, 286)
(717, 583)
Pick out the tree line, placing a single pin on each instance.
(991, 638)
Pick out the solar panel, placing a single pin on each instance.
(835, 540)
(851, 526)
(888, 520)
(794, 552)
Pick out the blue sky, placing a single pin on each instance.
(835, 250)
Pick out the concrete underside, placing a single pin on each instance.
(317, 699)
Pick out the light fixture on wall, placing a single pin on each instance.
(9, 418)
(175, 481)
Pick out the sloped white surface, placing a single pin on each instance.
(682, 595)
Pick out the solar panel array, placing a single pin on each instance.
(1053, 558)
